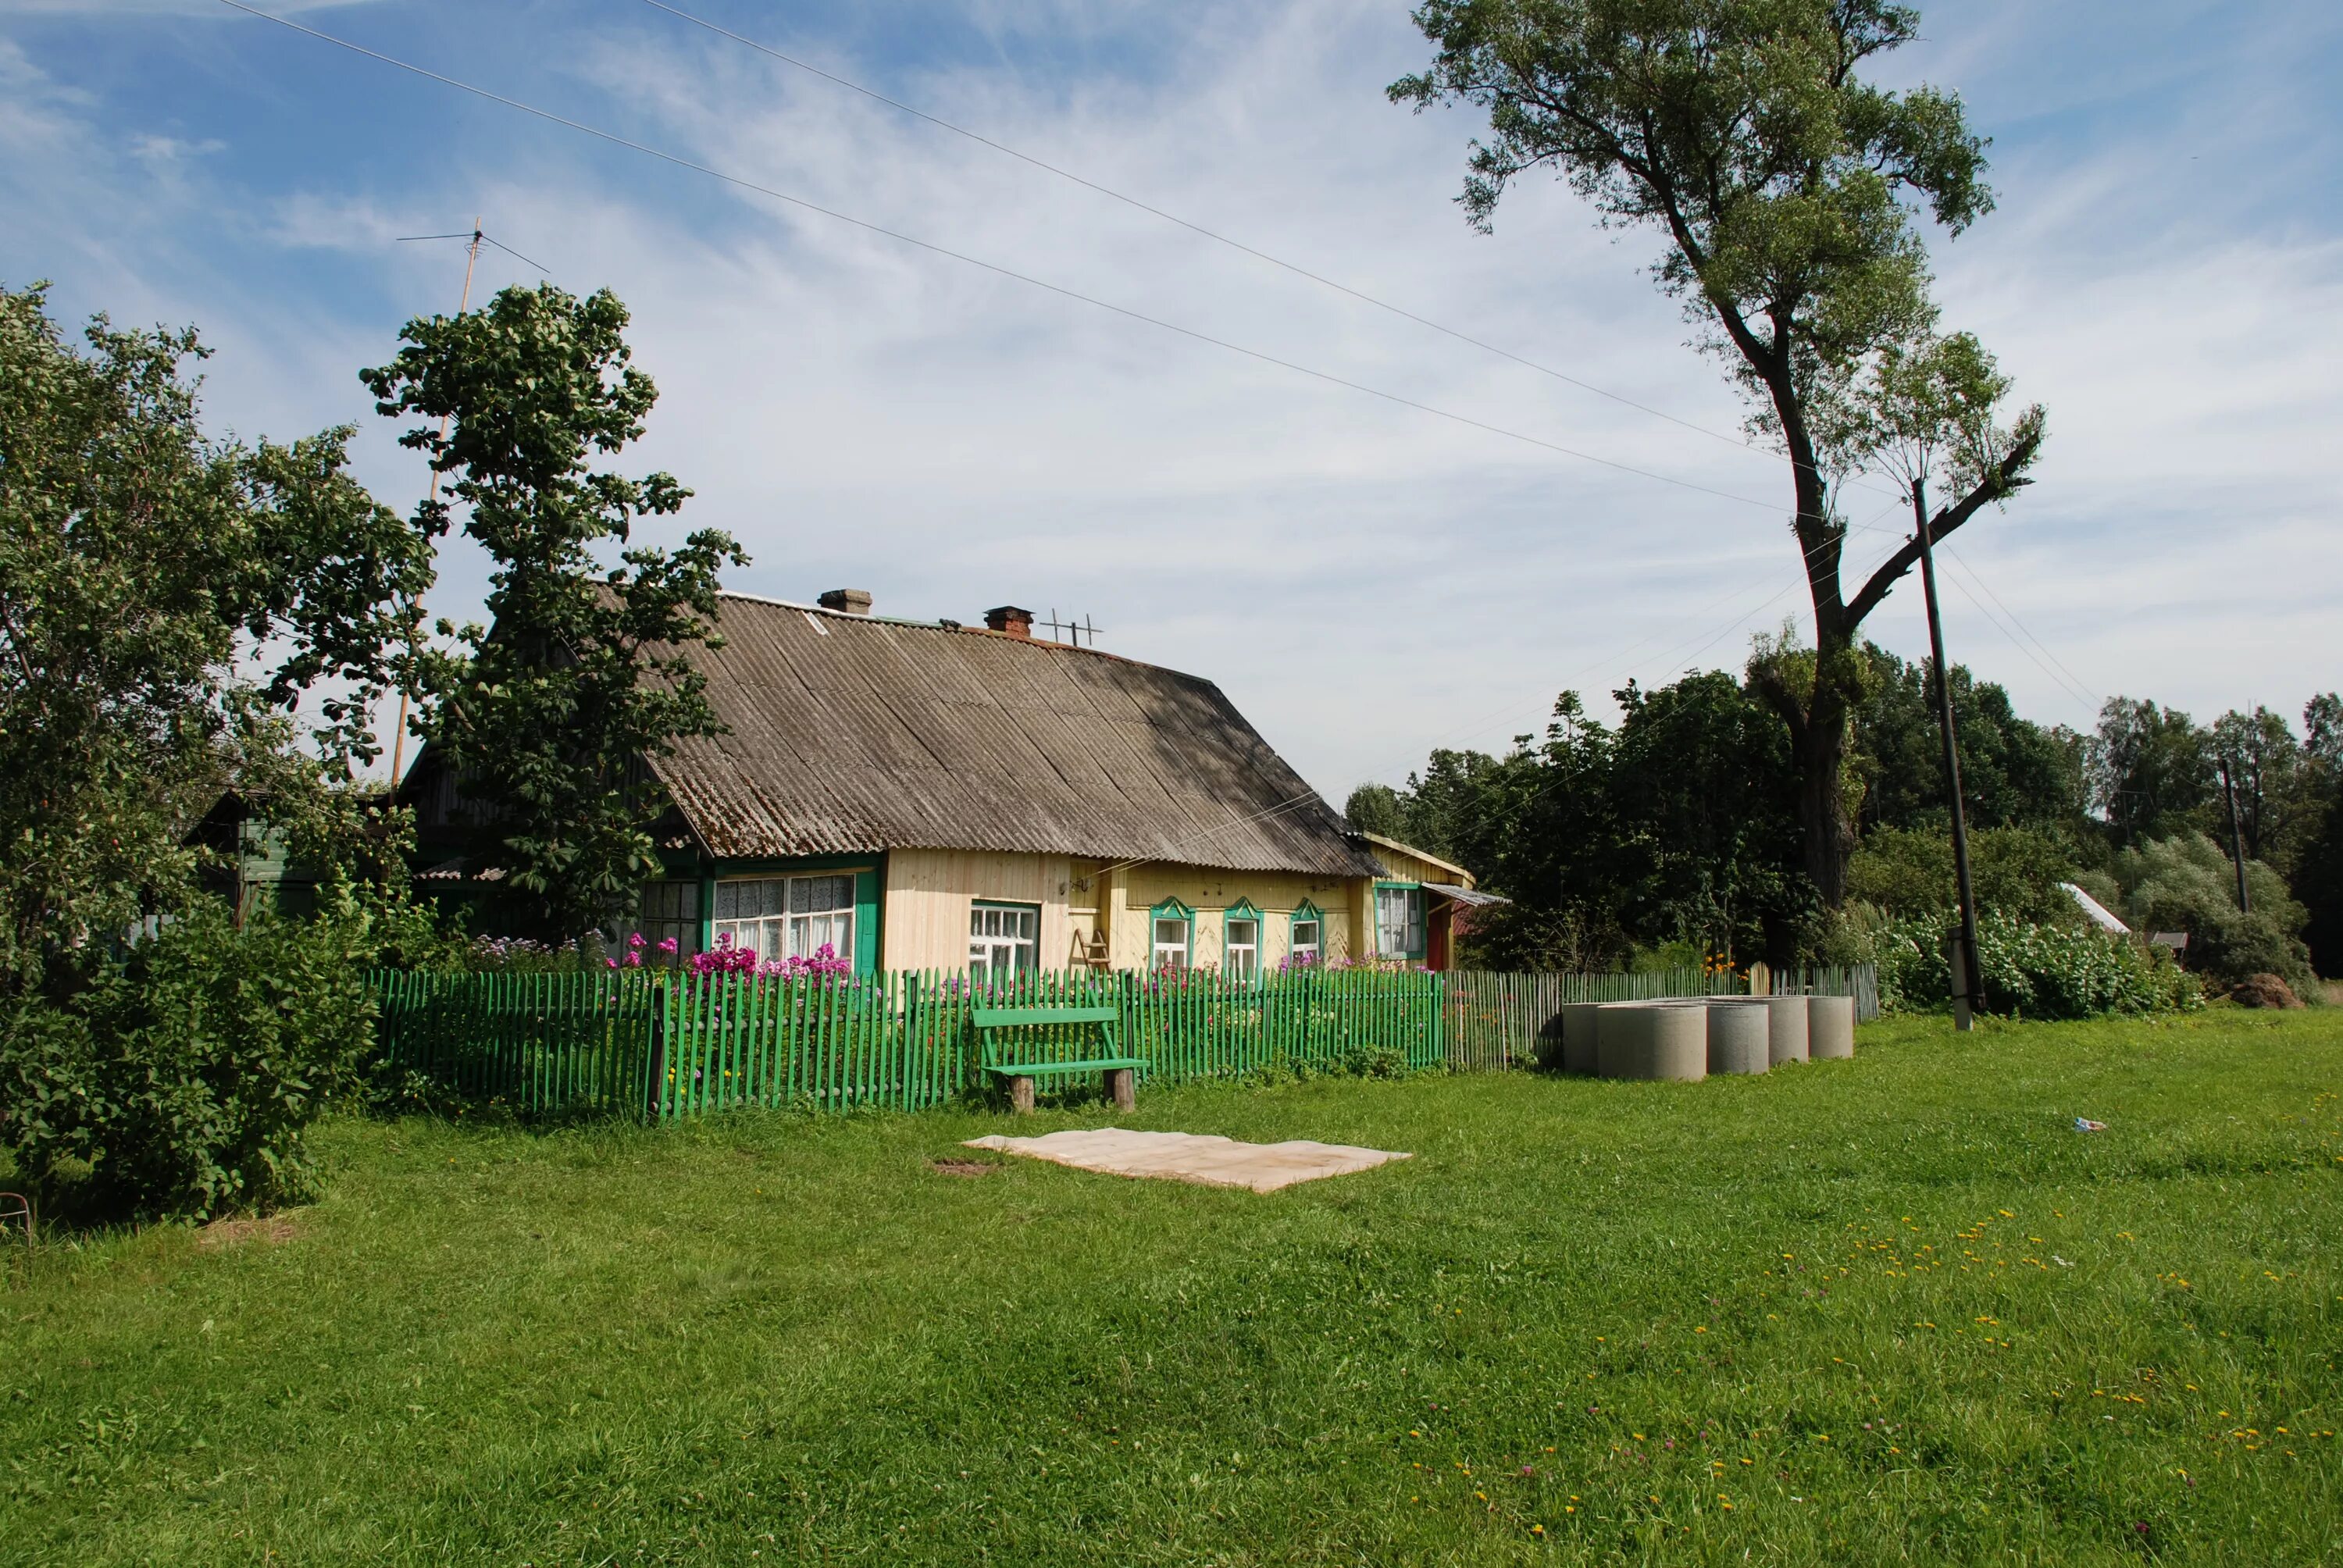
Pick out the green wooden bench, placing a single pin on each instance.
(1022, 1066)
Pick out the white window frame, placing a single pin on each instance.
(779, 929)
(990, 937)
(1241, 961)
(1172, 954)
(1315, 948)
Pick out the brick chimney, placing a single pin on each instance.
(847, 600)
(1008, 619)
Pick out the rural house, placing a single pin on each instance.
(928, 795)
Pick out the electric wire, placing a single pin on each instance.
(1479, 726)
(2086, 702)
(2080, 685)
(516, 255)
(1213, 234)
(485, 238)
(999, 270)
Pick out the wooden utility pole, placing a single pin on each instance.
(1965, 955)
(2237, 835)
(463, 303)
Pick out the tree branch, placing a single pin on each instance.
(2006, 477)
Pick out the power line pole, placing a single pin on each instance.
(1965, 954)
(2237, 836)
(463, 303)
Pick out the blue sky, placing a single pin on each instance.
(2164, 272)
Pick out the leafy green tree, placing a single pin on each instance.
(545, 718)
(1378, 809)
(2013, 772)
(1787, 192)
(1909, 872)
(1703, 793)
(178, 616)
(2151, 771)
(2185, 882)
(2268, 769)
(2316, 859)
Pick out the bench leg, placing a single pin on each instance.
(1021, 1095)
(1119, 1088)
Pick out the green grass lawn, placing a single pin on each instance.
(1887, 1309)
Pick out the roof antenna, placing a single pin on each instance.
(463, 303)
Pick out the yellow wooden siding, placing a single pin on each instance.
(1400, 865)
(929, 891)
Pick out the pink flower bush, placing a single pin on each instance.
(726, 959)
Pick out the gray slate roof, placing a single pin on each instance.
(855, 733)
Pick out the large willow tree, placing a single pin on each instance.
(1789, 196)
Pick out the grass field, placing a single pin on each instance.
(1887, 1309)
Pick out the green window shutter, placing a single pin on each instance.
(865, 922)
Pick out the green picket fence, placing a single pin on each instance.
(663, 1045)
(536, 1042)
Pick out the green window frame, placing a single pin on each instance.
(1241, 961)
(1305, 914)
(1161, 919)
(1410, 943)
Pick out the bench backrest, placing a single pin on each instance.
(1058, 1043)
(1005, 1017)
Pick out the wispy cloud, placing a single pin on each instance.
(1365, 580)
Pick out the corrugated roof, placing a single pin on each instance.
(853, 733)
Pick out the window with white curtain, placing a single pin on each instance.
(1308, 939)
(788, 917)
(1399, 923)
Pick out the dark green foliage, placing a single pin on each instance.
(545, 719)
(1703, 798)
(2319, 874)
(2151, 771)
(1376, 808)
(2016, 872)
(145, 570)
(2185, 883)
(2271, 776)
(179, 1081)
(2014, 773)
(2030, 970)
(1681, 825)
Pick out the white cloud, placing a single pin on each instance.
(157, 149)
(1365, 580)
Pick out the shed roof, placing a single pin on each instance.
(855, 733)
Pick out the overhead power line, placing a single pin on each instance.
(1197, 229)
(996, 268)
(2080, 687)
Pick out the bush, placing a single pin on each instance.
(2016, 871)
(177, 1081)
(2185, 883)
(2032, 970)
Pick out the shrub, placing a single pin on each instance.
(177, 1081)
(2033, 971)
(2185, 883)
(2016, 871)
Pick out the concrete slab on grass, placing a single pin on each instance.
(1208, 1162)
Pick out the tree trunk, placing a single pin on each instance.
(1821, 772)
